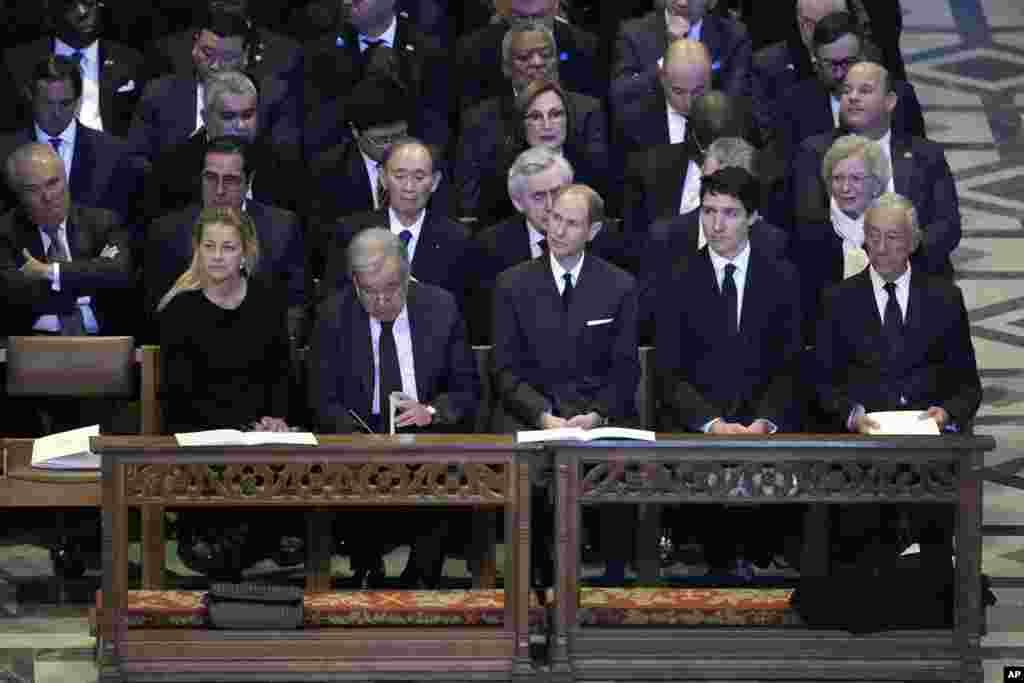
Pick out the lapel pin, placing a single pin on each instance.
(403, 14)
(908, 155)
(340, 42)
(410, 48)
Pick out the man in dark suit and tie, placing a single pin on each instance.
(112, 73)
(919, 168)
(372, 35)
(171, 108)
(581, 68)
(727, 345)
(224, 175)
(642, 42)
(232, 108)
(441, 250)
(896, 338)
(59, 261)
(390, 333)
(811, 107)
(99, 170)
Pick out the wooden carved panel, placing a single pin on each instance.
(795, 481)
(326, 482)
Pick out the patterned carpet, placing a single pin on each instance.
(966, 60)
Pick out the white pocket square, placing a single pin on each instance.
(602, 321)
(127, 87)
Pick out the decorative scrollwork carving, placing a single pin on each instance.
(317, 482)
(680, 480)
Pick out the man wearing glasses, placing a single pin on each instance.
(389, 333)
(811, 107)
(112, 73)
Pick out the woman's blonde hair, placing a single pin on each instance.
(194, 278)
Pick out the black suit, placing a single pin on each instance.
(490, 138)
(920, 173)
(166, 116)
(103, 174)
(654, 185)
(282, 254)
(89, 230)
(775, 69)
(568, 364)
(334, 64)
(642, 42)
(935, 365)
(477, 68)
(805, 110)
(704, 373)
(121, 75)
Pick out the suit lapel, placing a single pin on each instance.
(711, 36)
(661, 34)
(427, 243)
(419, 337)
(361, 355)
(578, 307)
(83, 161)
(106, 83)
(29, 237)
(869, 314)
(902, 165)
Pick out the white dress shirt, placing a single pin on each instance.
(834, 101)
(535, 236)
(882, 296)
(702, 239)
(403, 346)
(67, 145)
(676, 124)
(739, 276)
(886, 144)
(90, 111)
(387, 38)
(558, 272)
(200, 107)
(51, 323)
(416, 228)
(690, 199)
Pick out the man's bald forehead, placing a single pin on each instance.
(34, 154)
(872, 70)
(687, 52)
(822, 7)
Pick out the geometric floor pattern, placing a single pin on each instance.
(965, 59)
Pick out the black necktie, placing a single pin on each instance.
(731, 300)
(567, 292)
(71, 324)
(892, 324)
(390, 378)
(543, 244)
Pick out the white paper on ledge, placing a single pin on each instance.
(904, 422)
(234, 437)
(66, 450)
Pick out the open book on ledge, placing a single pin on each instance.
(580, 434)
(66, 450)
(234, 437)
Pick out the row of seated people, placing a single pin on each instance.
(649, 101)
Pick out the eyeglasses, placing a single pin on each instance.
(385, 139)
(382, 295)
(833, 64)
(841, 180)
(536, 118)
(229, 182)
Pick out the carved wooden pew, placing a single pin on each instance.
(794, 469)
(354, 472)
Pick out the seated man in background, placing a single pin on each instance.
(727, 346)
(896, 338)
(389, 333)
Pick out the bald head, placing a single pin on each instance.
(810, 12)
(36, 174)
(685, 73)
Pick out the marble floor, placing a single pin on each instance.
(966, 60)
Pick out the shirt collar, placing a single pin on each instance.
(740, 261)
(90, 53)
(62, 229)
(672, 110)
(534, 234)
(67, 135)
(415, 228)
(878, 282)
(558, 271)
(388, 36)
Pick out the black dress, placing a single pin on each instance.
(224, 368)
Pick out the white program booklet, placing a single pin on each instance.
(234, 437)
(580, 434)
(66, 450)
(393, 398)
(904, 422)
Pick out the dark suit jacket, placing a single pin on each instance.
(547, 361)
(166, 116)
(706, 374)
(175, 179)
(775, 69)
(920, 173)
(338, 186)
(642, 42)
(433, 17)
(343, 378)
(477, 67)
(103, 174)
(935, 365)
(673, 241)
(654, 184)
(282, 254)
(446, 254)
(121, 79)
(489, 138)
(334, 65)
(506, 244)
(805, 110)
(89, 231)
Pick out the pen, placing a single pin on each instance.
(360, 421)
